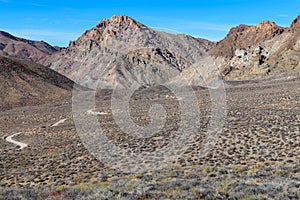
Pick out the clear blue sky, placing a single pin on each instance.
(58, 22)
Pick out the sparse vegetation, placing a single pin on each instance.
(256, 156)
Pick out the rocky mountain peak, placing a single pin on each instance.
(267, 27)
(125, 20)
(267, 24)
(104, 22)
(110, 28)
(122, 39)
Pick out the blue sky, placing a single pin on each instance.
(59, 22)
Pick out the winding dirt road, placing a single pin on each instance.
(20, 144)
(23, 145)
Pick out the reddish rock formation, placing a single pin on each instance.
(110, 28)
(244, 36)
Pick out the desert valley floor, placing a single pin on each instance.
(257, 154)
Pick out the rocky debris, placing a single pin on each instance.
(26, 49)
(247, 61)
(252, 54)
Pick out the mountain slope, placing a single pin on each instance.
(149, 66)
(26, 49)
(121, 50)
(244, 36)
(103, 47)
(25, 83)
(253, 52)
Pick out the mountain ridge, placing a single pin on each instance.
(25, 83)
(243, 36)
(247, 52)
(120, 36)
(26, 49)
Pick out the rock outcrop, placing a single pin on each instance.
(243, 36)
(253, 52)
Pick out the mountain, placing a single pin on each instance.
(252, 52)
(26, 49)
(244, 36)
(122, 49)
(25, 83)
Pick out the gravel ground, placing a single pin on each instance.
(256, 156)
